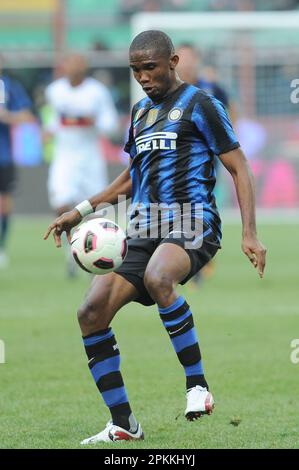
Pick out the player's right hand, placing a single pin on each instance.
(256, 253)
(63, 223)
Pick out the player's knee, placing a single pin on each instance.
(90, 317)
(159, 285)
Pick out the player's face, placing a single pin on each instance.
(155, 73)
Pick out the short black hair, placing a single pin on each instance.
(153, 39)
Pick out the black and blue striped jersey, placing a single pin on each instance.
(172, 145)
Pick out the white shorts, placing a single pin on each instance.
(71, 180)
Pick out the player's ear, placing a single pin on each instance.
(173, 61)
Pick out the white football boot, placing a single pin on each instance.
(199, 402)
(113, 433)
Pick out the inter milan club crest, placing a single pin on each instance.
(175, 114)
(152, 116)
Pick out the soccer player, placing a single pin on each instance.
(191, 71)
(175, 132)
(15, 108)
(82, 109)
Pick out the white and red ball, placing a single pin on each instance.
(99, 246)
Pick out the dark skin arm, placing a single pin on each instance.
(236, 163)
(122, 185)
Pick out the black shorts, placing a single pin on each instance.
(7, 178)
(140, 251)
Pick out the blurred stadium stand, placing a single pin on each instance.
(34, 34)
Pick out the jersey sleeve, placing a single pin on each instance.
(19, 99)
(107, 118)
(213, 124)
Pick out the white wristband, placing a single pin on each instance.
(84, 208)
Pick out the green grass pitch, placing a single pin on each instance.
(245, 325)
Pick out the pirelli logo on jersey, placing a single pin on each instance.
(156, 141)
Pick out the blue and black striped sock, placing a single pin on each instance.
(104, 363)
(178, 321)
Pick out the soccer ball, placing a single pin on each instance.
(99, 246)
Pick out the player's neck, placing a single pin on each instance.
(178, 82)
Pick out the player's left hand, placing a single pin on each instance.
(256, 252)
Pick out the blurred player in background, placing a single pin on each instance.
(175, 132)
(15, 108)
(191, 70)
(83, 110)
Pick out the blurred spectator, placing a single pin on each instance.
(99, 46)
(129, 7)
(251, 5)
(233, 5)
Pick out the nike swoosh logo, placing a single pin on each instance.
(73, 241)
(176, 331)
